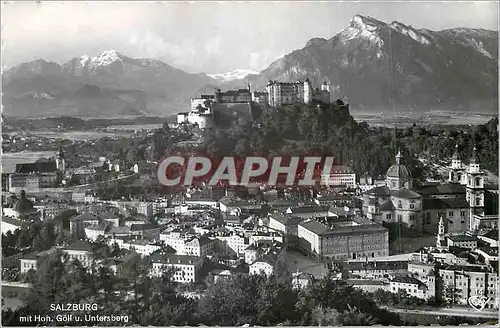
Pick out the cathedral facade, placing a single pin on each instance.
(456, 202)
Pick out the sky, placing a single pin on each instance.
(210, 37)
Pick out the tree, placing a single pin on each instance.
(451, 294)
(230, 302)
(326, 317)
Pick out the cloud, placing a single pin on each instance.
(212, 46)
(254, 62)
(207, 37)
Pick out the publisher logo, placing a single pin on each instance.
(478, 302)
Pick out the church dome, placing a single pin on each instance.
(399, 170)
(24, 205)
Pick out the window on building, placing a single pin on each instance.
(388, 217)
(478, 201)
(400, 204)
(478, 181)
(450, 213)
(400, 217)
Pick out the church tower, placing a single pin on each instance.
(325, 86)
(398, 175)
(60, 161)
(475, 186)
(457, 169)
(440, 241)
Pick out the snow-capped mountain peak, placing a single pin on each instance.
(233, 75)
(363, 27)
(84, 60)
(410, 32)
(106, 58)
(365, 22)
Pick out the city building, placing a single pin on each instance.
(82, 251)
(412, 286)
(343, 242)
(460, 202)
(143, 247)
(368, 285)
(462, 241)
(340, 175)
(28, 262)
(301, 280)
(22, 209)
(460, 282)
(263, 265)
(185, 268)
(34, 177)
(237, 243)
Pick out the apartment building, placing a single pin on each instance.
(185, 269)
(343, 242)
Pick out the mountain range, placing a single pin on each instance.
(371, 64)
(237, 74)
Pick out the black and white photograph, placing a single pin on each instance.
(250, 163)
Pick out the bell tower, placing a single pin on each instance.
(440, 236)
(475, 186)
(60, 161)
(457, 169)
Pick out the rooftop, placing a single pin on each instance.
(268, 258)
(85, 217)
(408, 280)
(405, 193)
(162, 257)
(378, 265)
(80, 245)
(459, 238)
(449, 203)
(445, 189)
(365, 282)
(338, 169)
(492, 234)
(38, 167)
(322, 229)
(379, 191)
(308, 209)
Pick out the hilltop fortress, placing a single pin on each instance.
(239, 102)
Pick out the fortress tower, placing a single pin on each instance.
(307, 92)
